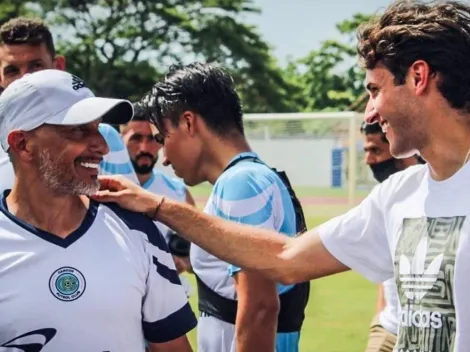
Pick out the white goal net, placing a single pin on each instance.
(321, 152)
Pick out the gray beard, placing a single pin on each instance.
(57, 178)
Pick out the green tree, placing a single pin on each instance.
(329, 76)
(14, 8)
(120, 47)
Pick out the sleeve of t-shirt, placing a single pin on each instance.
(359, 240)
(247, 197)
(166, 311)
(117, 161)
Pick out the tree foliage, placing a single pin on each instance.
(329, 76)
(121, 47)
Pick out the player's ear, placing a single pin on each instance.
(20, 145)
(59, 63)
(188, 122)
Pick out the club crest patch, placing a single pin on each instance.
(67, 284)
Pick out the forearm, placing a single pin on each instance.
(283, 259)
(380, 305)
(180, 344)
(257, 331)
(235, 243)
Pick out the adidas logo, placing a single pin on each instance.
(77, 83)
(416, 281)
(420, 318)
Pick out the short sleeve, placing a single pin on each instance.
(166, 311)
(247, 197)
(359, 240)
(117, 161)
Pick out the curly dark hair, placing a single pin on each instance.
(205, 89)
(437, 33)
(141, 112)
(24, 30)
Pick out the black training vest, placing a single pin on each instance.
(292, 302)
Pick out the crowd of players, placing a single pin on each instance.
(78, 272)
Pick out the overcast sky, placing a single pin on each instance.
(295, 27)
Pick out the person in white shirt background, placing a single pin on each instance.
(384, 326)
(26, 46)
(144, 142)
(414, 225)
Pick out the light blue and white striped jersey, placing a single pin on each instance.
(164, 185)
(249, 193)
(117, 161)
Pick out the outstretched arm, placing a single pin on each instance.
(286, 260)
(283, 259)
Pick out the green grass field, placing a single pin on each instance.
(340, 306)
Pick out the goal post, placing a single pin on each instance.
(318, 150)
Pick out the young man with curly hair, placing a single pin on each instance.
(415, 225)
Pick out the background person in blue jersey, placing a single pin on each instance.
(199, 113)
(117, 161)
(26, 46)
(143, 143)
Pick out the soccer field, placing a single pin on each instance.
(340, 306)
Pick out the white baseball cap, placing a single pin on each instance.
(55, 97)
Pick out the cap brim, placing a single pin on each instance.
(112, 111)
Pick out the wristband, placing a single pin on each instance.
(158, 208)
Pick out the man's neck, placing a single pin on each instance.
(143, 178)
(40, 207)
(218, 154)
(448, 147)
(407, 162)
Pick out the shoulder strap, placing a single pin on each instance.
(301, 224)
(236, 161)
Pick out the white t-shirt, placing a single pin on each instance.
(416, 229)
(105, 287)
(389, 316)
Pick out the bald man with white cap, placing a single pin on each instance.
(77, 275)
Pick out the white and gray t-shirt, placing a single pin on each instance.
(415, 229)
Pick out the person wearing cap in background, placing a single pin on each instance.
(27, 46)
(384, 326)
(77, 275)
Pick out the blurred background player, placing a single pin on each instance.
(384, 327)
(143, 143)
(199, 114)
(27, 46)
